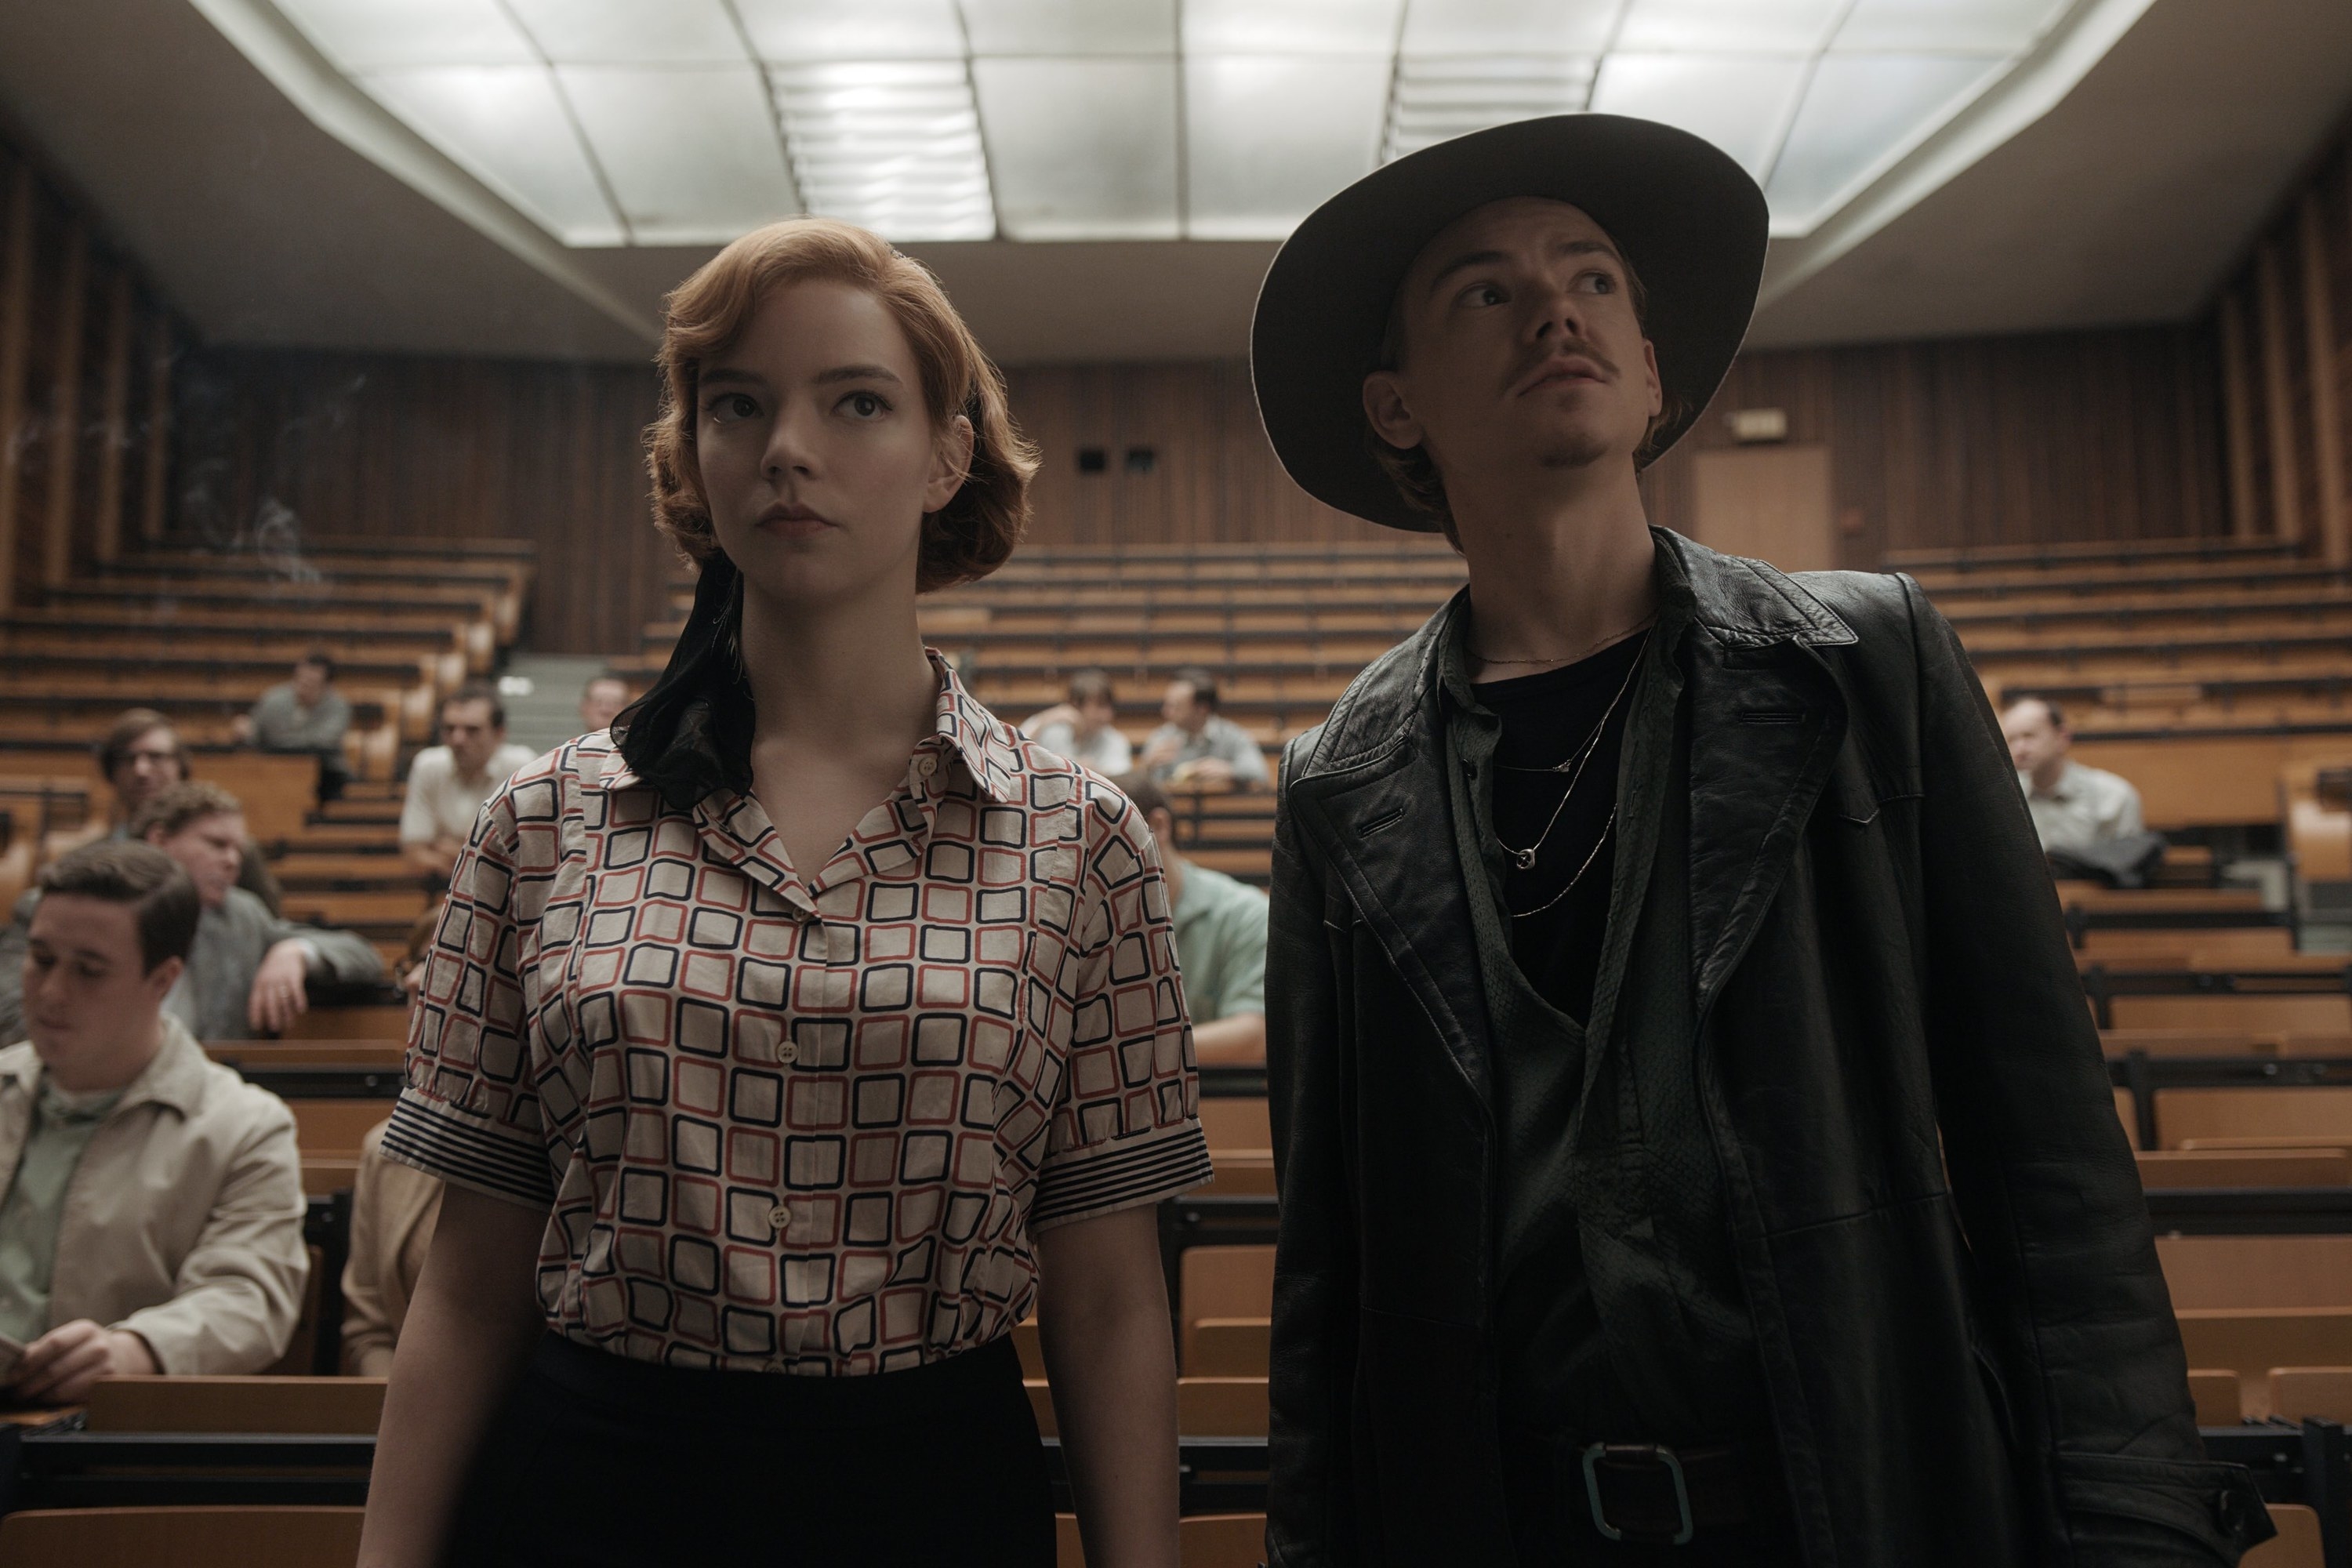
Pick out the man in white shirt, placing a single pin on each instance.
(1084, 726)
(600, 701)
(1197, 747)
(448, 783)
(2074, 806)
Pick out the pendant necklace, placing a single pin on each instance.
(1574, 765)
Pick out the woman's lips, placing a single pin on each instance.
(793, 521)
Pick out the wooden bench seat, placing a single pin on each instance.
(2073, 554)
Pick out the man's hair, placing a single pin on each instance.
(322, 659)
(174, 809)
(1203, 685)
(1091, 686)
(1414, 472)
(2048, 706)
(602, 675)
(966, 539)
(162, 896)
(478, 692)
(1144, 790)
(127, 732)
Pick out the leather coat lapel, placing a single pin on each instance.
(1381, 820)
(1767, 720)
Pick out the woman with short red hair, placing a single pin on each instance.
(783, 1047)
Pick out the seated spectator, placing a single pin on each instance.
(140, 756)
(248, 972)
(1220, 942)
(1083, 726)
(448, 783)
(169, 1186)
(2074, 806)
(392, 1210)
(600, 701)
(304, 715)
(1196, 747)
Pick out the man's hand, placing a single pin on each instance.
(1204, 773)
(281, 990)
(1161, 751)
(240, 728)
(59, 1367)
(435, 858)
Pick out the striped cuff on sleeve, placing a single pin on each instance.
(1125, 1174)
(437, 1138)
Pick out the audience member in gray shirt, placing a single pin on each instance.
(249, 971)
(304, 714)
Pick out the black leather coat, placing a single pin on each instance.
(1970, 1349)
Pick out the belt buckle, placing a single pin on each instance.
(1661, 1455)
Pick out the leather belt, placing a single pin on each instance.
(1650, 1495)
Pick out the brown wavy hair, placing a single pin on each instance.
(967, 538)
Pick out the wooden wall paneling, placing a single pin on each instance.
(113, 419)
(63, 439)
(2278, 394)
(2238, 403)
(155, 453)
(2320, 355)
(16, 257)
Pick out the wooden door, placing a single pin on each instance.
(1771, 503)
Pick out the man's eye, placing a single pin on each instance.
(1484, 294)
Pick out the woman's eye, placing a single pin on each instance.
(1484, 294)
(864, 405)
(1600, 283)
(732, 406)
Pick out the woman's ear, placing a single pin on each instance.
(950, 463)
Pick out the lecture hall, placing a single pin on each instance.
(750, 745)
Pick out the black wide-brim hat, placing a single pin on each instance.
(1687, 218)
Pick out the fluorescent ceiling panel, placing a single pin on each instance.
(690, 152)
(1270, 137)
(1296, 27)
(1082, 148)
(631, 32)
(894, 145)
(370, 34)
(1509, 26)
(507, 126)
(1739, 102)
(1862, 113)
(791, 32)
(1436, 99)
(1987, 26)
(1730, 26)
(1071, 27)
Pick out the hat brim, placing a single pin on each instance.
(1688, 219)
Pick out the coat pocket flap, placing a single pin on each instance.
(2215, 1504)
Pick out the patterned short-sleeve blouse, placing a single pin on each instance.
(806, 1125)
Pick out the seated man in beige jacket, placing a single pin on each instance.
(393, 1208)
(151, 1201)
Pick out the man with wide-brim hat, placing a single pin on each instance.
(1693, 1144)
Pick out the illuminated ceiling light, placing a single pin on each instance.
(1435, 100)
(797, 32)
(1862, 113)
(1270, 137)
(894, 145)
(1296, 27)
(1082, 148)
(690, 153)
(1741, 103)
(506, 125)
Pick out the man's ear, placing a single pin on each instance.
(1385, 407)
(158, 982)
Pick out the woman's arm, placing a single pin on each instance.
(467, 1333)
(1102, 1321)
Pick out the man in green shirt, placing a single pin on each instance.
(1220, 942)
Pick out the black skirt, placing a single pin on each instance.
(597, 1459)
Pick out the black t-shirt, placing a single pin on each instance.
(1546, 720)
